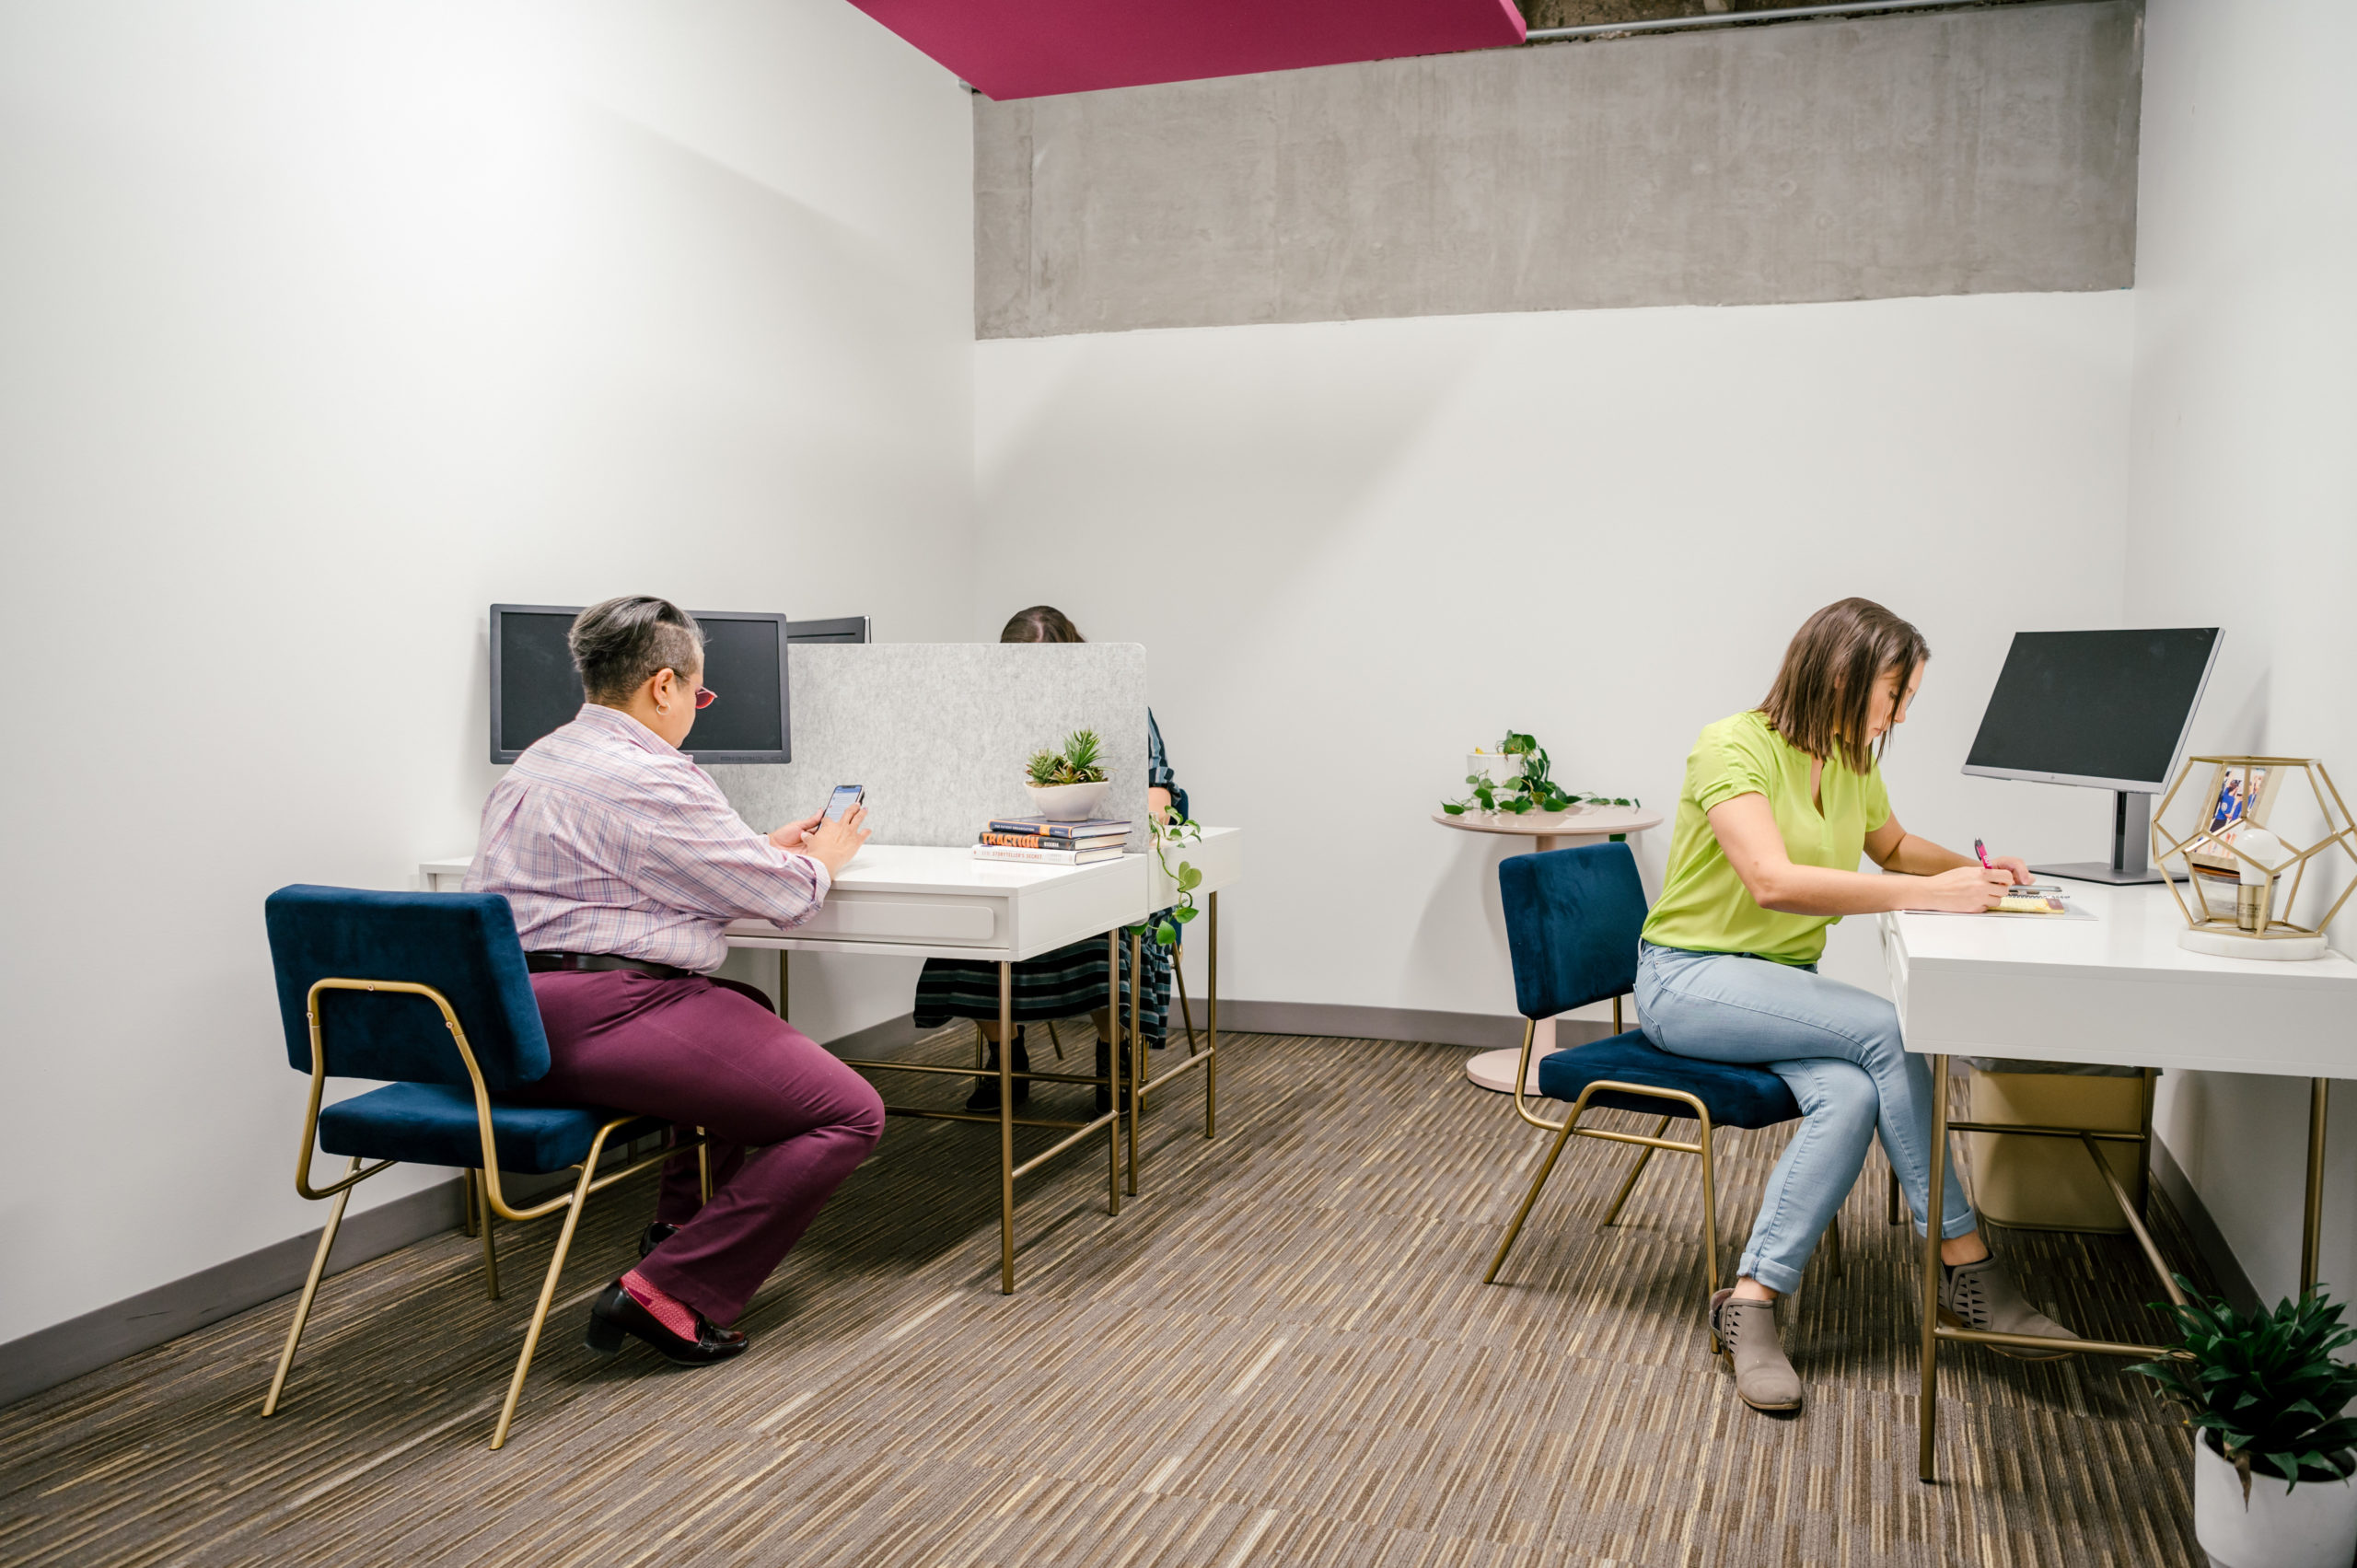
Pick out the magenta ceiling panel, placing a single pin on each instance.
(1033, 48)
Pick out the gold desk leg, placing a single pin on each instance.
(1137, 1056)
(1628, 1182)
(784, 982)
(2145, 1148)
(1927, 1410)
(1211, 1003)
(1113, 1072)
(310, 1290)
(548, 1292)
(468, 1185)
(703, 1169)
(1006, 1129)
(490, 1246)
(2318, 1089)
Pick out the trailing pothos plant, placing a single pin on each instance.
(1174, 832)
(1534, 789)
(2264, 1386)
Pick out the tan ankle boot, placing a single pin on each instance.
(1982, 1295)
(1763, 1378)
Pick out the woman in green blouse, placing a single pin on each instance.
(1778, 804)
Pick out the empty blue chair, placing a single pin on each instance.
(428, 991)
(1573, 919)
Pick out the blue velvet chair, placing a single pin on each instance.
(1572, 917)
(428, 993)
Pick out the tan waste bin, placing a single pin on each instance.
(2050, 1184)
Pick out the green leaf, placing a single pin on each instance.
(1452, 809)
(1189, 879)
(1184, 913)
(1168, 934)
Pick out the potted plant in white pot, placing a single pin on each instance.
(2272, 1454)
(1065, 785)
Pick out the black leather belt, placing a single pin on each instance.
(543, 963)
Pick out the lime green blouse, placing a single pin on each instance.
(1703, 904)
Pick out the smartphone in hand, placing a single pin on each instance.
(844, 799)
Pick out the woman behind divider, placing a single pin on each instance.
(1777, 806)
(1070, 980)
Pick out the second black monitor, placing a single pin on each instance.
(2108, 709)
(534, 687)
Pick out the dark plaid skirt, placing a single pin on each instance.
(1061, 984)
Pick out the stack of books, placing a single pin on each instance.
(1043, 843)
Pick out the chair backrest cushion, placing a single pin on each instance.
(1572, 916)
(463, 944)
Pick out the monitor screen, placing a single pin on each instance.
(534, 687)
(2103, 708)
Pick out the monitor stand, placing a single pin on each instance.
(2131, 816)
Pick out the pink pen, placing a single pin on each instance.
(1980, 850)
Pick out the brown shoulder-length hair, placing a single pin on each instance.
(1822, 691)
(1040, 623)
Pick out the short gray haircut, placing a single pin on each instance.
(621, 645)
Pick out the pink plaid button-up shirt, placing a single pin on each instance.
(606, 839)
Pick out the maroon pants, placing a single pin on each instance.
(787, 1120)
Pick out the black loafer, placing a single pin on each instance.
(656, 1235)
(616, 1312)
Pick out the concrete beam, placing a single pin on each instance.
(1987, 151)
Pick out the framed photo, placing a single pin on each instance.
(2238, 797)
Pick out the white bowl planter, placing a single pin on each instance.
(1068, 802)
(2312, 1526)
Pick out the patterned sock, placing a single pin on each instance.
(676, 1316)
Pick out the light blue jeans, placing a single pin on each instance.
(1837, 1046)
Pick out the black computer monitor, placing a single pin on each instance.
(534, 687)
(2110, 710)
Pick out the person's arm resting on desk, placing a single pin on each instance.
(698, 856)
(1920, 873)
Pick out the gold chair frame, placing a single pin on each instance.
(483, 1197)
(1646, 1144)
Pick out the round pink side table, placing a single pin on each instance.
(1546, 829)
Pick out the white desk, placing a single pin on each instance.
(924, 902)
(2117, 990)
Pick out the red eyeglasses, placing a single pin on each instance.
(706, 699)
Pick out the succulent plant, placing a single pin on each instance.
(1076, 763)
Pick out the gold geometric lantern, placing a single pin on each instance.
(2241, 795)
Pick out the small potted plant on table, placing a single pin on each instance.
(2272, 1454)
(1065, 785)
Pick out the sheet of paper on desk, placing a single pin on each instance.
(2022, 908)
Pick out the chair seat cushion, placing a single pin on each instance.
(1737, 1097)
(434, 1124)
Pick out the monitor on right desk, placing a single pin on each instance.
(2109, 710)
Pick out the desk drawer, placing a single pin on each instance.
(903, 917)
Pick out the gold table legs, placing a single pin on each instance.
(2130, 1207)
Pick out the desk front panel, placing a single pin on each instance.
(2123, 1018)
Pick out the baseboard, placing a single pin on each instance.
(47, 1357)
(2208, 1239)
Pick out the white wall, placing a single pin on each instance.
(1357, 549)
(2243, 501)
(321, 328)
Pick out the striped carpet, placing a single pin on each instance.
(1281, 1353)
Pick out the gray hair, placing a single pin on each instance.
(621, 645)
